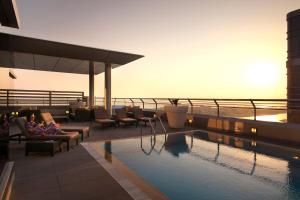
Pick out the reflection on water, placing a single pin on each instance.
(180, 141)
(197, 164)
(107, 148)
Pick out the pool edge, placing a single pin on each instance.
(134, 185)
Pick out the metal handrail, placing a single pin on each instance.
(161, 123)
(152, 127)
(14, 97)
(217, 104)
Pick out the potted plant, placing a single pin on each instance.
(176, 114)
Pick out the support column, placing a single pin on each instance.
(91, 83)
(107, 83)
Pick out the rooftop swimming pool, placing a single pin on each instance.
(207, 165)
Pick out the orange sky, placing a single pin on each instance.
(192, 48)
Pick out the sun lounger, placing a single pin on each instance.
(64, 137)
(102, 117)
(83, 130)
(121, 116)
(138, 114)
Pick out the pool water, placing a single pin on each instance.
(207, 165)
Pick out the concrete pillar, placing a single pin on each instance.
(107, 83)
(91, 83)
(293, 66)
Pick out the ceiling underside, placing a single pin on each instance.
(35, 54)
(48, 63)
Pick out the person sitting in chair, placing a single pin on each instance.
(80, 103)
(40, 129)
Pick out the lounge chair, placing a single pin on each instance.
(138, 114)
(129, 110)
(83, 130)
(82, 115)
(21, 122)
(121, 116)
(102, 117)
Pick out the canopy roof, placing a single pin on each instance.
(9, 13)
(36, 54)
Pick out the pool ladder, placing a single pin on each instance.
(158, 116)
(153, 136)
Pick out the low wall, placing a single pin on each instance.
(287, 132)
(275, 131)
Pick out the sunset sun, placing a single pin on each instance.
(262, 74)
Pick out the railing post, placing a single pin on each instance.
(218, 107)
(50, 98)
(155, 104)
(115, 101)
(192, 107)
(254, 108)
(132, 102)
(7, 98)
(143, 103)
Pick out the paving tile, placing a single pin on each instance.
(82, 175)
(36, 169)
(73, 162)
(119, 197)
(92, 190)
(37, 161)
(64, 167)
(42, 183)
(53, 194)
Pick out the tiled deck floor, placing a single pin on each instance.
(68, 175)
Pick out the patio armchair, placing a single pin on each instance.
(138, 114)
(82, 115)
(122, 117)
(102, 117)
(82, 130)
(66, 137)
